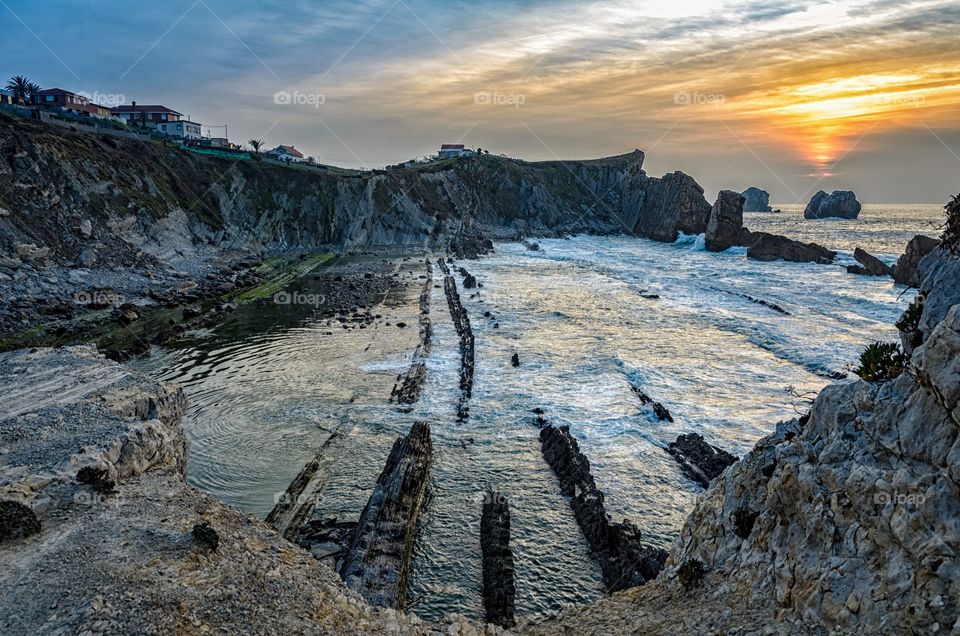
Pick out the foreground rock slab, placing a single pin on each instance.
(378, 560)
(133, 561)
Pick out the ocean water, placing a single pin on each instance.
(265, 392)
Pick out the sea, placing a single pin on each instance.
(589, 317)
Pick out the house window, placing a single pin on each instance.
(48, 98)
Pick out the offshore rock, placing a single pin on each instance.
(770, 247)
(873, 265)
(756, 200)
(499, 590)
(726, 221)
(839, 203)
(701, 461)
(625, 560)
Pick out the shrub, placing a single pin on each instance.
(691, 573)
(951, 231)
(881, 361)
(910, 321)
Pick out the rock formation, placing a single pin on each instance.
(770, 247)
(905, 270)
(378, 561)
(624, 559)
(756, 200)
(701, 461)
(839, 203)
(499, 590)
(871, 264)
(726, 221)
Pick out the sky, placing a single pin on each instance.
(791, 96)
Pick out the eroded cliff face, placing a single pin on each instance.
(99, 201)
(850, 517)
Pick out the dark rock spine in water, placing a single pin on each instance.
(499, 590)
(698, 459)
(658, 409)
(408, 387)
(378, 560)
(298, 501)
(624, 559)
(461, 322)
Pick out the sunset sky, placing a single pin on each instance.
(790, 96)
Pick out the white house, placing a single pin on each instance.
(286, 153)
(453, 150)
(181, 128)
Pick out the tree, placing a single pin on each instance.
(256, 144)
(22, 88)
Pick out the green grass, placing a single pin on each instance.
(284, 271)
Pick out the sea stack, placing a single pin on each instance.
(756, 200)
(726, 221)
(840, 204)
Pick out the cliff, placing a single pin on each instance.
(88, 201)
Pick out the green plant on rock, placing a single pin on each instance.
(909, 322)
(951, 231)
(881, 361)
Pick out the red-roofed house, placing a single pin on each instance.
(69, 101)
(153, 114)
(286, 153)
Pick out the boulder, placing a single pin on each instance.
(871, 264)
(756, 200)
(905, 271)
(839, 203)
(762, 246)
(726, 221)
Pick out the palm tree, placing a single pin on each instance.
(21, 87)
(256, 144)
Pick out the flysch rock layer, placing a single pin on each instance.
(127, 562)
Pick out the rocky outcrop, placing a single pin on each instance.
(378, 561)
(905, 271)
(872, 265)
(839, 203)
(756, 200)
(662, 208)
(625, 560)
(408, 386)
(659, 410)
(726, 221)
(461, 322)
(770, 247)
(701, 461)
(499, 590)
